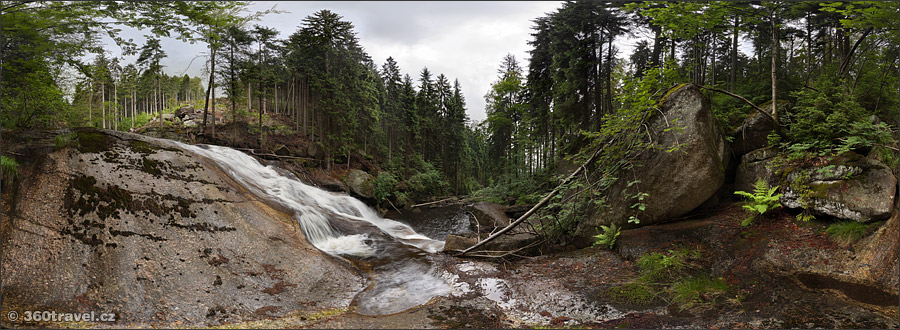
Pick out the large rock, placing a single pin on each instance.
(849, 187)
(489, 215)
(756, 165)
(125, 223)
(676, 182)
(361, 183)
(753, 133)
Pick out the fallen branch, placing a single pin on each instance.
(429, 203)
(253, 152)
(392, 205)
(534, 208)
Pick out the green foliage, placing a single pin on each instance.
(636, 293)
(846, 233)
(762, 200)
(9, 169)
(428, 182)
(657, 267)
(607, 238)
(385, 186)
(698, 291)
(823, 115)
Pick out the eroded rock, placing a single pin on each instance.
(125, 223)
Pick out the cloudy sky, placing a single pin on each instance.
(464, 40)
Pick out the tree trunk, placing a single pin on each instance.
(160, 96)
(774, 66)
(734, 52)
(116, 102)
(91, 103)
(212, 65)
(103, 103)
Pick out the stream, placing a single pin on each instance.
(398, 259)
(398, 254)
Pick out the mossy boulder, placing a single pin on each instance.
(131, 224)
(848, 187)
(686, 169)
(361, 183)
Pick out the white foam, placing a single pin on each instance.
(313, 208)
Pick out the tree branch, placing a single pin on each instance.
(778, 128)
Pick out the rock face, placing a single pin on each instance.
(755, 165)
(360, 183)
(849, 186)
(753, 133)
(676, 182)
(125, 223)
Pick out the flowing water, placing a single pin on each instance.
(399, 261)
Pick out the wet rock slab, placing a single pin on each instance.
(130, 224)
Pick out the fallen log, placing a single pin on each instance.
(429, 203)
(533, 209)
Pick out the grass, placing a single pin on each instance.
(846, 233)
(9, 168)
(63, 140)
(699, 291)
(667, 276)
(636, 293)
(657, 266)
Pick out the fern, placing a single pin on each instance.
(607, 238)
(762, 200)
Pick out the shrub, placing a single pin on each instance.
(385, 186)
(846, 232)
(429, 182)
(607, 238)
(762, 200)
(657, 266)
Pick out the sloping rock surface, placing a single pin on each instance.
(130, 224)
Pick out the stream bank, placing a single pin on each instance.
(573, 289)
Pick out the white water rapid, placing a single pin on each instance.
(317, 210)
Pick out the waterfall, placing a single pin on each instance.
(317, 211)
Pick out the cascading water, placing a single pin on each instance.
(401, 260)
(313, 208)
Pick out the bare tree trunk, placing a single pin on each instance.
(734, 52)
(209, 88)
(91, 103)
(774, 66)
(116, 97)
(103, 103)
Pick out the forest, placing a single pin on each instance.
(832, 63)
(709, 158)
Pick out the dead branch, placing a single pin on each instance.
(435, 202)
(534, 208)
(253, 152)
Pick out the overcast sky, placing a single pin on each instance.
(464, 40)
